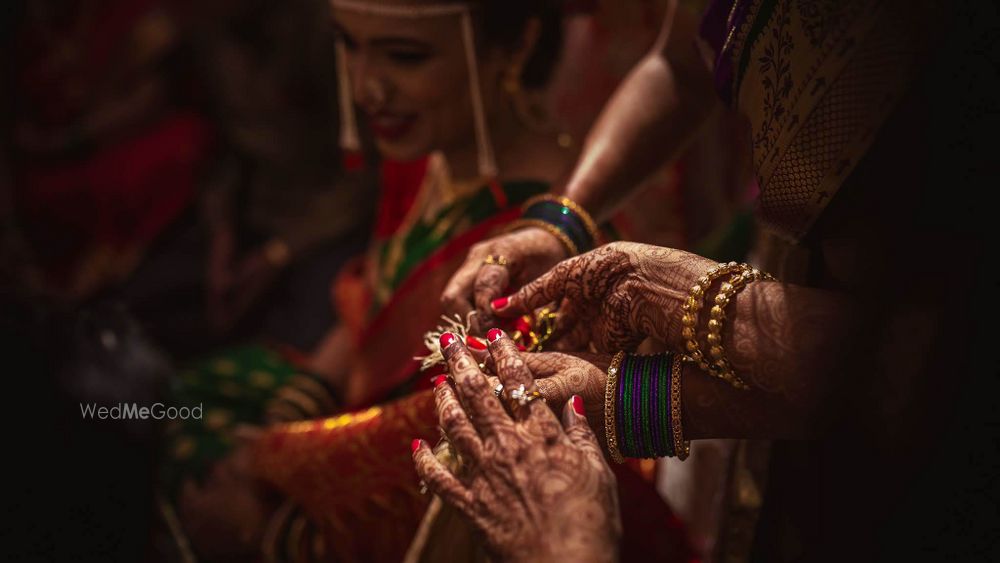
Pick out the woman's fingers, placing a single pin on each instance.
(455, 422)
(439, 480)
(492, 280)
(574, 376)
(549, 287)
(559, 375)
(554, 390)
(476, 283)
(573, 328)
(516, 377)
(456, 297)
(474, 391)
(579, 432)
(548, 364)
(477, 347)
(507, 361)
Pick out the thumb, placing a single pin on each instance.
(578, 429)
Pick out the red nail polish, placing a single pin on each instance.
(494, 334)
(415, 444)
(446, 340)
(523, 324)
(578, 404)
(439, 380)
(474, 343)
(500, 303)
(521, 348)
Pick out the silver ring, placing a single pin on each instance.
(498, 390)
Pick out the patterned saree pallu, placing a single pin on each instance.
(353, 475)
(816, 78)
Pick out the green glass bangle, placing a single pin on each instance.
(663, 393)
(628, 381)
(647, 415)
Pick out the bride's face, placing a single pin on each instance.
(410, 79)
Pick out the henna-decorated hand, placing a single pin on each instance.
(529, 252)
(537, 489)
(615, 296)
(559, 376)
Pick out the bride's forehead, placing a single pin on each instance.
(416, 15)
(409, 9)
(376, 28)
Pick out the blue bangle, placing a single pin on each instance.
(569, 218)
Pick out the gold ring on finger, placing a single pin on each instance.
(495, 260)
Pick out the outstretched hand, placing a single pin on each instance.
(614, 297)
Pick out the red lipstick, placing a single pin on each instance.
(389, 126)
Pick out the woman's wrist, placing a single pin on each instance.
(669, 275)
(564, 219)
(582, 543)
(567, 248)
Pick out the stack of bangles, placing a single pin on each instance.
(642, 407)
(564, 219)
(715, 362)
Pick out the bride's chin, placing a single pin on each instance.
(402, 152)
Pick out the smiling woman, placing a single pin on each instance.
(422, 90)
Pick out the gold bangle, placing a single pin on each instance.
(682, 447)
(720, 366)
(588, 221)
(565, 240)
(609, 408)
(693, 305)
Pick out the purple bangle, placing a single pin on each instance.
(663, 406)
(668, 440)
(623, 445)
(654, 399)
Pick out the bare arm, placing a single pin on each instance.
(660, 105)
(655, 111)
